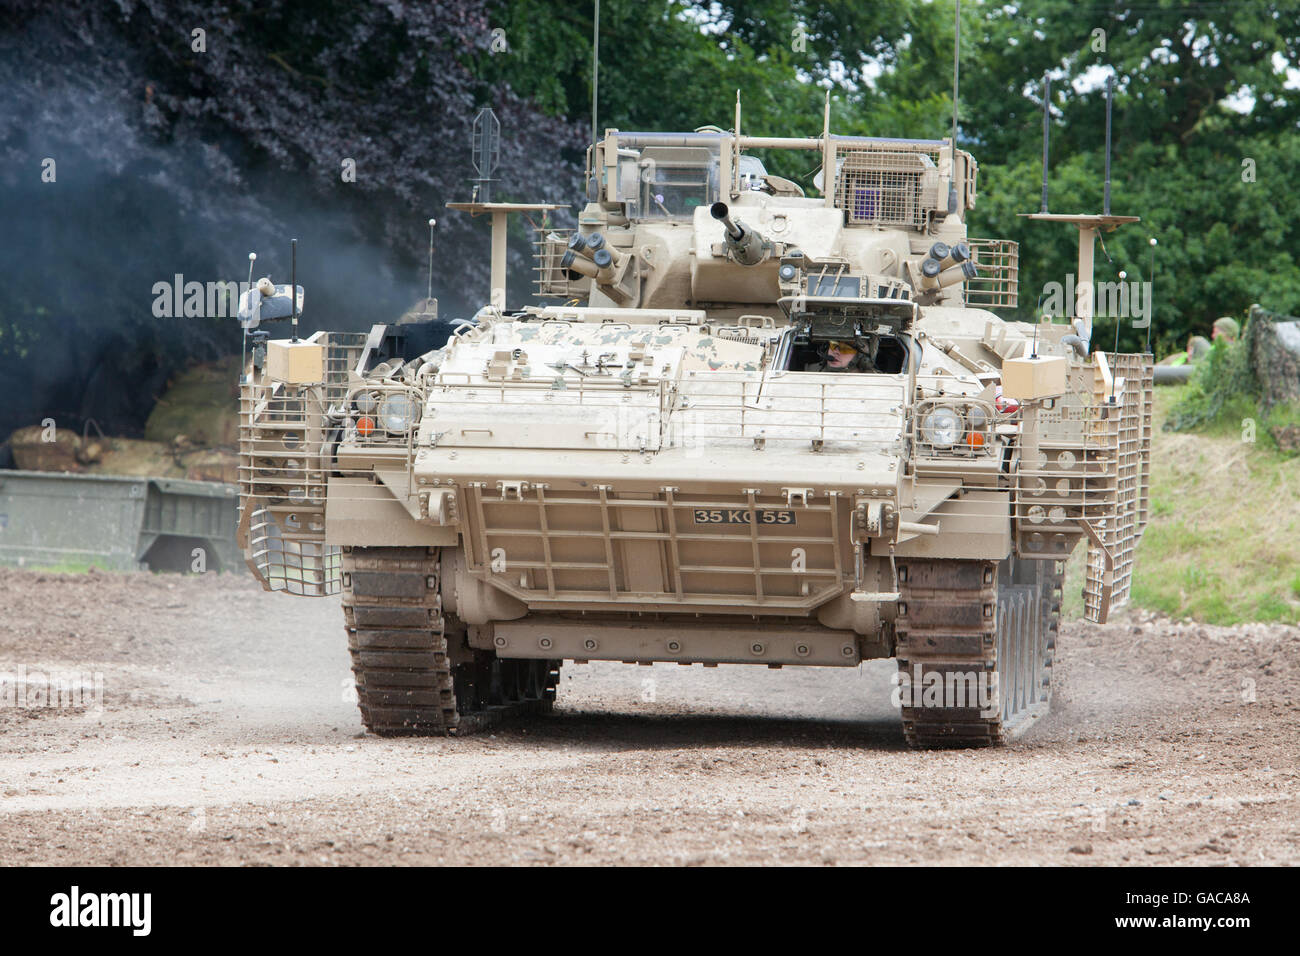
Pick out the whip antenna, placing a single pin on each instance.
(956, 63)
(1047, 101)
(293, 283)
(1110, 91)
(429, 297)
(1151, 296)
(243, 339)
(595, 69)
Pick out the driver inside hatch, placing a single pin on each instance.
(841, 356)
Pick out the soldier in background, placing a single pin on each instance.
(1225, 329)
(1198, 346)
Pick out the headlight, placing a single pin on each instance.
(941, 427)
(397, 412)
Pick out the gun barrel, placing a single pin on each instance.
(720, 212)
(745, 245)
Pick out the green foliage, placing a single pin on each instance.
(1222, 383)
(73, 566)
(1225, 229)
(678, 66)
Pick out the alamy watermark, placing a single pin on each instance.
(179, 299)
(977, 690)
(1116, 300)
(125, 910)
(56, 689)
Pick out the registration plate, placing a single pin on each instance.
(742, 516)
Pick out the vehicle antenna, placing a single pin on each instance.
(293, 284)
(595, 68)
(1047, 101)
(243, 344)
(956, 61)
(1151, 296)
(1122, 276)
(1110, 92)
(735, 152)
(485, 152)
(428, 298)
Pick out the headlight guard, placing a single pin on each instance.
(954, 427)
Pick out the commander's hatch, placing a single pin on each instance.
(824, 293)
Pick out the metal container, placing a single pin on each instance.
(50, 519)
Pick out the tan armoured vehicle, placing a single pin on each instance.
(755, 427)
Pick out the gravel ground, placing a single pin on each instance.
(227, 735)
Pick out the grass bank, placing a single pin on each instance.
(1223, 542)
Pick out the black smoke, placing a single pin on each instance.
(172, 160)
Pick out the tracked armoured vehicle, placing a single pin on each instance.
(756, 427)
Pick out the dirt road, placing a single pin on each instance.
(227, 735)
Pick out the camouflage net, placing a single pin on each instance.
(1277, 370)
(1258, 368)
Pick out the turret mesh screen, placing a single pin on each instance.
(888, 186)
